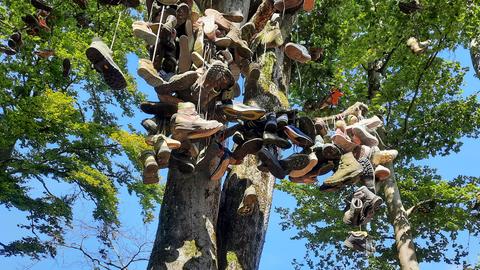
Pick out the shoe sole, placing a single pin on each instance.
(297, 139)
(274, 167)
(221, 169)
(111, 74)
(347, 180)
(203, 134)
(249, 147)
(305, 170)
(330, 152)
(296, 54)
(302, 180)
(271, 126)
(343, 143)
(307, 126)
(244, 115)
(367, 139)
(149, 37)
(148, 77)
(296, 162)
(284, 144)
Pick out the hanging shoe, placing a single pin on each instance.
(269, 158)
(248, 147)
(325, 151)
(297, 52)
(367, 177)
(209, 27)
(164, 110)
(347, 172)
(366, 138)
(282, 121)
(303, 179)
(234, 16)
(382, 173)
(284, 5)
(150, 167)
(149, 125)
(274, 139)
(352, 120)
(416, 46)
(371, 203)
(101, 58)
(307, 126)
(249, 201)
(353, 216)
(312, 162)
(197, 59)
(372, 123)
(142, 30)
(162, 152)
(295, 161)
(359, 241)
(342, 140)
(409, 7)
(270, 36)
(66, 67)
(222, 166)
(297, 136)
(7, 50)
(149, 73)
(221, 21)
(182, 161)
(242, 111)
(247, 31)
(187, 124)
(171, 143)
(384, 157)
(183, 13)
(320, 127)
(177, 83)
(271, 124)
(184, 59)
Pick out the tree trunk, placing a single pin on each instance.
(401, 225)
(186, 231)
(475, 55)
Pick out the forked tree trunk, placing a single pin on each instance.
(188, 230)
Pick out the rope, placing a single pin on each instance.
(158, 34)
(116, 28)
(151, 11)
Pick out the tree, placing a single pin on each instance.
(61, 142)
(425, 114)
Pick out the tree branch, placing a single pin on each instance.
(354, 109)
(410, 210)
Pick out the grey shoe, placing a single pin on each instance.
(367, 176)
(354, 215)
(179, 82)
(371, 202)
(359, 241)
(101, 58)
(150, 167)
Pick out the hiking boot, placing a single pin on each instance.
(251, 146)
(359, 241)
(297, 52)
(367, 175)
(409, 7)
(101, 58)
(187, 124)
(416, 46)
(384, 157)
(184, 59)
(347, 171)
(320, 127)
(371, 202)
(353, 216)
(343, 141)
(303, 171)
(209, 27)
(284, 5)
(365, 137)
(150, 167)
(238, 43)
(382, 173)
(66, 67)
(321, 168)
(274, 139)
(162, 152)
(297, 136)
(247, 205)
(142, 30)
(295, 162)
(270, 36)
(150, 125)
(170, 143)
(218, 76)
(39, 4)
(164, 110)
(177, 83)
(242, 111)
(270, 160)
(149, 73)
(306, 125)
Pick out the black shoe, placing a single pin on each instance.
(238, 137)
(66, 67)
(282, 121)
(183, 162)
(359, 241)
(274, 139)
(165, 110)
(271, 124)
(270, 160)
(297, 136)
(307, 125)
(294, 162)
(207, 155)
(251, 147)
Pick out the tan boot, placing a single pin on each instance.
(149, 73)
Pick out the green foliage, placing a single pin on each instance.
(425, 114)
(63, 131)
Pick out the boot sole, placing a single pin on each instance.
(203, 134)
(274, 167)
(296, 54)
(244, 115)
(297, 139)
(284, 144)
(249, 147)
(149, 78)
(221, 169)
(149, 37)
(111, 74)
(296, 162)
(347, 180)
(305, 170)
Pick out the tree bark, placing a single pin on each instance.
(403, 237)
(186, 231)
(475, 55)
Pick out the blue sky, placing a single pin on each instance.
(279, 249)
